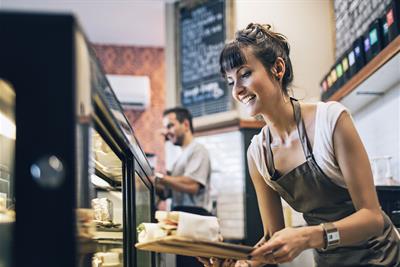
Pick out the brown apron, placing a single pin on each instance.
(308, 190)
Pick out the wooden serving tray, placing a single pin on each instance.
(197, 248)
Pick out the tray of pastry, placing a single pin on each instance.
(197, 248)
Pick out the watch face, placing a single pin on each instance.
(332, 237)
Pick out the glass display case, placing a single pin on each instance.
(7, 148)
(74, 182)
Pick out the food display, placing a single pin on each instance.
(106, 259)
(183, 224)
(103, 209)
(85, 224)
(105, 159)
(187, 234)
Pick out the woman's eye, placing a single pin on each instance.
(230, 83)
(246, 74)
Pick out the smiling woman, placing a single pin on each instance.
(257, 59)
(267, 46)
(311, 156)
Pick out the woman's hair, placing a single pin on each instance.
(266, 45)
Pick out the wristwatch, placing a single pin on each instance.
(331, 236)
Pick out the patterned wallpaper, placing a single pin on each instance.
(149, 61)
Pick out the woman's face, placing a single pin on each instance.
(252, 85)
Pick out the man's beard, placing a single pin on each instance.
(179, 140)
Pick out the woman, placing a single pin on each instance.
(311, 156)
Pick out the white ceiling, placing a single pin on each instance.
(121, 22)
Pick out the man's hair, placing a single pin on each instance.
(181, 114)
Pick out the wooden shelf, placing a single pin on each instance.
(234, 125)
(251, 124)
(377, 62)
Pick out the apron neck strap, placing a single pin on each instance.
(305, 143)
(269, 157)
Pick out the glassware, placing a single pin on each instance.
(382, 172)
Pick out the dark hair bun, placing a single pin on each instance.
(265, 44)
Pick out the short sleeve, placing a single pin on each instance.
(327, 117)
(333, 111)
(198, 166)
(255, 152)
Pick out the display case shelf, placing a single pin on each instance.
(379, 75)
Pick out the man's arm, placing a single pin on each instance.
(180, 183)
(162, 191)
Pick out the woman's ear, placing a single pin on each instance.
(279, 68)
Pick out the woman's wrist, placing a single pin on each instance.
(316, 237)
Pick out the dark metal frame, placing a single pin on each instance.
(37, 56)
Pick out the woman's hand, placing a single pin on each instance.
(284, 246)
(215, 262)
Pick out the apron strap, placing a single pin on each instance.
(269, 157)
(305, 143)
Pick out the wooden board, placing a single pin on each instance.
(197, 248)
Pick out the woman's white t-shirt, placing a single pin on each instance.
(326, 117)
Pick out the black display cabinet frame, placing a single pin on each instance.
(58, 100)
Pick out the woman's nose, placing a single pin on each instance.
(237, 89)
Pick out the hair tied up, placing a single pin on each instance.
(266, 45)
(255, 33)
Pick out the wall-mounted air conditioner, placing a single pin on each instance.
(133, 92)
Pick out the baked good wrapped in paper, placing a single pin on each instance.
(183, 224)
(150, 231)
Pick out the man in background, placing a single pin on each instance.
(189, 179)
(188, 183)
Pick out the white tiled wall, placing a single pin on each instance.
(227, 178)
(227, 181)
(378, 124)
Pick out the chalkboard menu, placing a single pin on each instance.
(202, 37)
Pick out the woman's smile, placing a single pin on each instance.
(248, 99)
(251, 84)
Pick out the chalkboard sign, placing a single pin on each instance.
(202, 37)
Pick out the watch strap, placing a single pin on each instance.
(331, 236)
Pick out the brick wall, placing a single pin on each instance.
(149, 61)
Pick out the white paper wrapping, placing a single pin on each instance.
(198, 227)
(151, 231)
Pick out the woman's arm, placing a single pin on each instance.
(269, 201)
(353, 161)
(354, 164)
(270, 207)
(366, 222)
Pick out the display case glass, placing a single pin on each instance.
(143, 214)
(71, 157)
(107, 203)
(7, 148)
